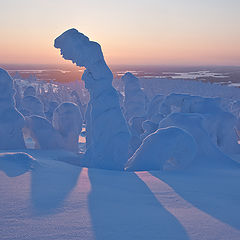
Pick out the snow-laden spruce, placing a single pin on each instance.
(154, 106)
(136, 129)
(11, 121)
(16, 164)
(109, 131)
(31, 105)
(43, 134)
(207, 151)
(220, 125)
(67, 120)
(166, 149)
(134, 99)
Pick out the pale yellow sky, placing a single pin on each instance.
(130, 32)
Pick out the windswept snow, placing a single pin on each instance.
(54, 201)
(189, 133)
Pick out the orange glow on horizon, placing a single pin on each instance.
(42, 51)
(150, 32)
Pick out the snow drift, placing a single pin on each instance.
(166, 149)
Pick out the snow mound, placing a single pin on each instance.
(168, 149)
(15, 164)
(207, 151)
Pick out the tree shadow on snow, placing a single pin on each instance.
(50, 186)
(122, 207)
(213, 191)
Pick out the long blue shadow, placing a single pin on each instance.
(214, 191)
(50, 187)
(122, 207)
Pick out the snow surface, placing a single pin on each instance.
(47, 195)
(53, 200)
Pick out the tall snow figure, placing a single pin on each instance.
(11, 121)
(67, 120)
(135, 99)
(109, 131)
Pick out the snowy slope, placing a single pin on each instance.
(56, 200)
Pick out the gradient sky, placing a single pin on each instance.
(182, 32)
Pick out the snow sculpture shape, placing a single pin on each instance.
(166, 149)
(220, 125)
(188, 104)
(222, 128)
(11, 121)
(134, 100)
(109, 132)
(43, 133)
(32, 106)
(193, 124)
(16, 164)
(67, 120)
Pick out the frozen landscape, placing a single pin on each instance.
(118, 158)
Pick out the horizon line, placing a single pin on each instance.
(127, 65)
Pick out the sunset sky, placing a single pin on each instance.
(178, 32)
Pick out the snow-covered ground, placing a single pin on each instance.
(47, 195)
(57, 200)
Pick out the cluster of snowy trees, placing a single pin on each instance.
(124, 130)
(58, 128)
(213, 133)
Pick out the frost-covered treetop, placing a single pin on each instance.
(130, 78)
(76, 47)
(131, 82)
